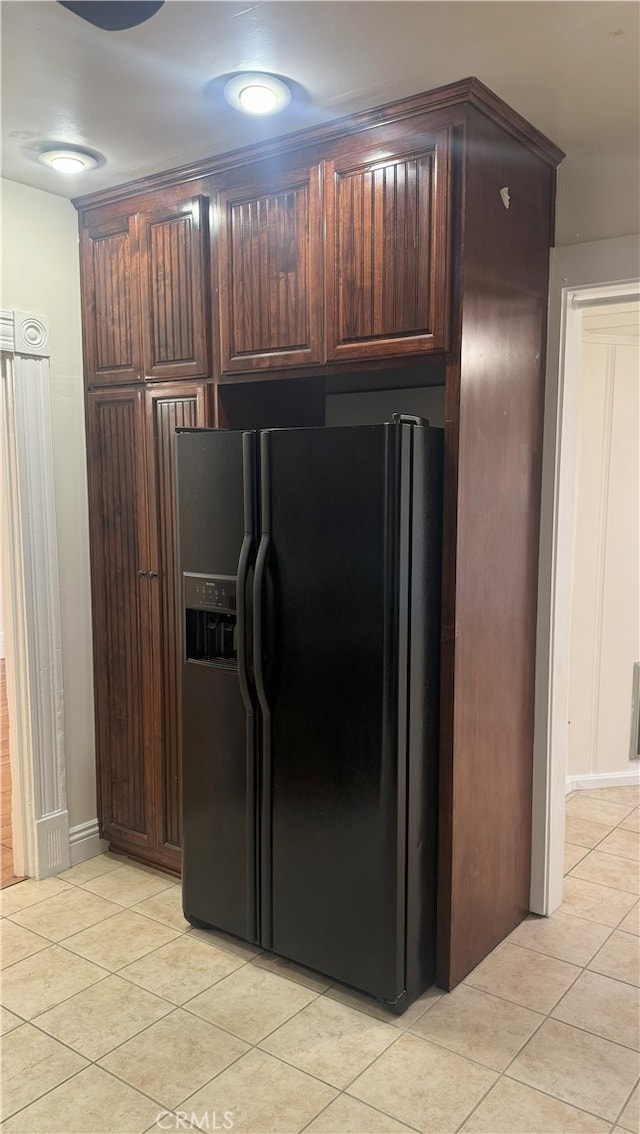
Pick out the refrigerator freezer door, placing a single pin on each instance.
(215, 493)
(334, 810)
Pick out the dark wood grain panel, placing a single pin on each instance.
(167, 408)
(111, 302)
(387, 253)
(173, 265)
(120, 611)
(270, 267)
(485, 812)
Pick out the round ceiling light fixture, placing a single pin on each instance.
(255, 92)
(68, 161)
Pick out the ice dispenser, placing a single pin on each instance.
(210, 618)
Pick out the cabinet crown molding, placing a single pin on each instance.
(470, 92)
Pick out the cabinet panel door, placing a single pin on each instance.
(111, 313)
(121, 615)
(270, 271)
(167, 408)
(387, 252)
(173, 261)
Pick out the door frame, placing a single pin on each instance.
(551, 740)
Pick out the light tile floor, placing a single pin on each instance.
(118, 1016)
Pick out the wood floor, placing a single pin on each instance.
(7, 876)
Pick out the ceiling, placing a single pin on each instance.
(146, 99)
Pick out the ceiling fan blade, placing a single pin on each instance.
(113, 15)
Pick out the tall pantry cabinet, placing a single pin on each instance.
(404, 246)
(143, 280)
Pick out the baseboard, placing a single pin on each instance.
(85, 842)
(603, 779)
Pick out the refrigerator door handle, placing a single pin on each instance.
(258, 618)
(244, 563)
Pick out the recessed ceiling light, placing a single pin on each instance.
(253, 92)
(68, 161)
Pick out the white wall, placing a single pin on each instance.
(40, 275)
(598, 194)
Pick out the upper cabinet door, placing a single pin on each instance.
(173, 263)
(270, 272)
(111, 302)
(387, 252)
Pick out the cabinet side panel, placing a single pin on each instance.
(118, 598)
(485, 841)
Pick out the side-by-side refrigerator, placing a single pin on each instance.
(310, 574)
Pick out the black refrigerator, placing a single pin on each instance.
(310, 581)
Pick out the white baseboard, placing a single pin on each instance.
(52, 834)
(85, 842)
(603, 779)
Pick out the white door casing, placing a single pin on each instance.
(32, 610)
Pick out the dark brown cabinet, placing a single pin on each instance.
(379, 248)
(270, 272)
(145, 287)
(110, 302)
(130, 442)
(387, 251)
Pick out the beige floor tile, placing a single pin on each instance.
(415, 1011)
(129, 885)
(630, 1117)
(262, 1094)
(356, 1117)
(609, 870)
(8, 1021)
(284, 968)
(18, 943)
(363, 1003)
(578, 1068)
(331, 1041)
(45, 979)
(606, 1007)
(523, 976)
(584, 832)
(90, 868)
(594, 902)
(103, 1016)
(478, 1026)
(65, 914)
(120, 940)
(174, 1057)
(619, 958)
(372, 1007)
(582, 806)
(251, 1002)
(626, 844)
(626, 796)
(632, 822)
(572, 855)
(182, 969)
(224, 941)
(166, 907)
(631, 923)
(32, 1064)
(423, 1085)
(92, 1102)
(568, 938)
(28, 893)
(513, 1108)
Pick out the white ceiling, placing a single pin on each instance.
(140, 98)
